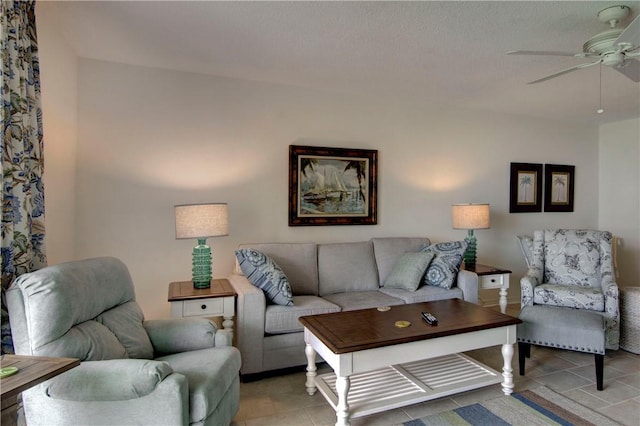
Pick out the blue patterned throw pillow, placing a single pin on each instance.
(443, 269)
(264, 273)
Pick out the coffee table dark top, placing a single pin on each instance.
(351, 331)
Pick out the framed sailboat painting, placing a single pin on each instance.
(332, 186)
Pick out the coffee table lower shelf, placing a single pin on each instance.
(405, 384)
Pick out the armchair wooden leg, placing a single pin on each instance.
(524, 350)
(599, 371)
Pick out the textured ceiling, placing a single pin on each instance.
(451, 52)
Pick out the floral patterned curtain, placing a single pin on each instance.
(22, 245)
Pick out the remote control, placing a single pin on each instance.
(429, 318)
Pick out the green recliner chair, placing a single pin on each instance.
(157, 372)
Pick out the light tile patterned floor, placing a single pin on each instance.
(282, 400)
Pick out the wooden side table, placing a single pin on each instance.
(490, 277)
(219, 300)
(32, 370)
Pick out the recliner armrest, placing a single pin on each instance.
(109, 380)
(110, 392)
(169, 336)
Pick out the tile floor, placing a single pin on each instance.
(282, 400)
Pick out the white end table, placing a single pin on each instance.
(219, 300)
(490, 277)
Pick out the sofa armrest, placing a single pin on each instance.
(169, 336)
(468, 283)
(250, 319)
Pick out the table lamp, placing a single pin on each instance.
(201, 221)
(470, 216)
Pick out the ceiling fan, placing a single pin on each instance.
(618, 48)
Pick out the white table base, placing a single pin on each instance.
(364, 383)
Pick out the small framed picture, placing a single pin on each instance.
(559, 182)
(526, 188)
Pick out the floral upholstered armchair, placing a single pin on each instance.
(572, 268)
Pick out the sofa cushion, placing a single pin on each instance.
(569, 296)
(345, 267)
(388, 250)
(425, 293)
(444, 267)
(362, 300)
(299, 262)
(264, 273)
(409, 270)
(210, 373)
(284, 319)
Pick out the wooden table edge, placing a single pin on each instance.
(63, 364)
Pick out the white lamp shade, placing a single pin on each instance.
(201, 220)
(470, 216)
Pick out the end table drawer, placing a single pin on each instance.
(491, 281)
(203, 307)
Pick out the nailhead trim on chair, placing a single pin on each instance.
(555, 345)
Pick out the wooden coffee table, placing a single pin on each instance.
(378, 366)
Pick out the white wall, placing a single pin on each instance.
(59, 77)
(619, 189)
(149, 139)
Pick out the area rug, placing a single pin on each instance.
(540, 406)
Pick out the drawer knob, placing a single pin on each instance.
(203, 307)
(493, 280)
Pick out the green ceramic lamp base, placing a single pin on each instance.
(470, 253)
(201, 270)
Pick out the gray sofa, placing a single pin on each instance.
(324, 278)
(158, 372)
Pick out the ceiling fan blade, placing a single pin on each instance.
(565, 71)
(542, 53)
(630, 35)
(631, 69)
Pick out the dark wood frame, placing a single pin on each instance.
(516, 206)
(298, 152)
(551, 173)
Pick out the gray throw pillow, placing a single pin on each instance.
(444, 267)
(408, 271)
(264, 273)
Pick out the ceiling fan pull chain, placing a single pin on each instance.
(600, 110)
